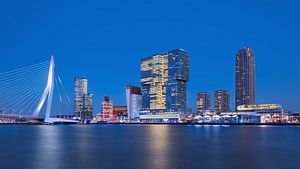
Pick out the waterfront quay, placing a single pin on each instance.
(138, 123)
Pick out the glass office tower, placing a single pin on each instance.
(83, 101)
(133, 101)
(163, 80)
(80, 89)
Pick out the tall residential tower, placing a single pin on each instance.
(245, 77)
(221, 102)
(203, 102)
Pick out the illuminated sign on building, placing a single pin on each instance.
(259, 107)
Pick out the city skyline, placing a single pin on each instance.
(212, 58)
(151, 84)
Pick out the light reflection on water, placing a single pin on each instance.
(149, 147)
(47, 147)
(158, 146)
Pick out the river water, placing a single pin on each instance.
(149, 147)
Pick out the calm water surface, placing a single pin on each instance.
(149, 147)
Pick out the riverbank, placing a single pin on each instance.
(177, 124)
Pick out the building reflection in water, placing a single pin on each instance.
(158, 147)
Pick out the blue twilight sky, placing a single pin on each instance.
(105, 40)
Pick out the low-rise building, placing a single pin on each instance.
(165, 117)
(267, 113)
(106, 114)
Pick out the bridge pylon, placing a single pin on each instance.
(47, 94)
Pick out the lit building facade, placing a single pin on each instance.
(267, 113)
(80, 89)
(87, 106)
(134, 101)
(163, 81)
(165, 117)
(83, 101)
(203, 102)
(259, 107)
(120, 113)
(221, 101)
(106, 114)
(245, 77)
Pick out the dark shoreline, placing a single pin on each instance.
(174, 124)
(208, 124)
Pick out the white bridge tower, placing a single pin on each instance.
(48, 93)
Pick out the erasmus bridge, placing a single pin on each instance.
(28, 92)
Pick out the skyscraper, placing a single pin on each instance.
(245, 77)
(87, 106)
(83, 101)
(221, 101)
(134, 101)
(203, 102)
(163, 79)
